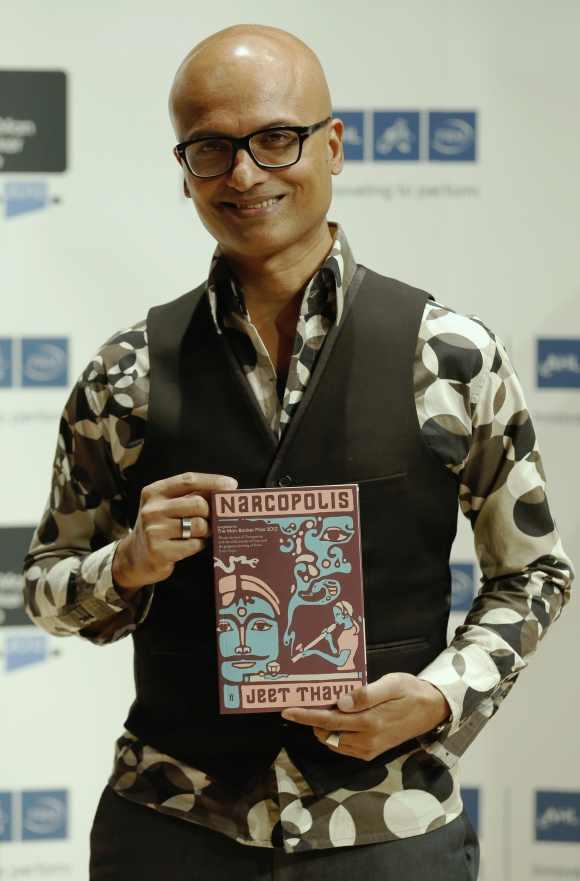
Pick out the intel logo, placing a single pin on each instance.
(45, 817)
(45, 362)
(558, 816)
(452, 137)
(39, 815)
(558, 363)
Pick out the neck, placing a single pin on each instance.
(270, 284)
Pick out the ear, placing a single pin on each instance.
(335, 146)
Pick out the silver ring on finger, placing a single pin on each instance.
(333, 740)
(186, 525)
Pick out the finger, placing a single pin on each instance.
(328, 720)
(347, 746)
(386, 688)
(189, 482)
(200, 528)
(186, 506)
(174, 551)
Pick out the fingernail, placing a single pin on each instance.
(345, 702)
(229, 482)
(287, 714)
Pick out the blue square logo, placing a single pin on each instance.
(6, 371)
(45, 362)
(396, 136)
(24, 651)
(471, 802)
(452, 136)
(6, 832)
(558, 816)
(462, 586)
(45, 815)
(23, 197)
(558, 363)
(354, 134)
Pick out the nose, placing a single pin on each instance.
(245, 174)
(242, 648)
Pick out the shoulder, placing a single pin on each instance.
(115, 381)
(125, 353)
(455, 347)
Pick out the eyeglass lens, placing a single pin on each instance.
(213, 156)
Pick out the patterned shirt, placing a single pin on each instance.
(473, 417)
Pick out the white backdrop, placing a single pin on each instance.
(497, 236)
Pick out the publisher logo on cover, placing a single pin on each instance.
(558, 363)
(558, 816)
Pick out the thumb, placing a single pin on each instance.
(384, 689)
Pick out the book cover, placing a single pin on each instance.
(289, 597)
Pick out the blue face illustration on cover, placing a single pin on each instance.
(247, 637)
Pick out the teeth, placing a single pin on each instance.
(258, 204)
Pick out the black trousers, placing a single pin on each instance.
(130, 842)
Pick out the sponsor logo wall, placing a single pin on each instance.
(419, 143)
(409, 135)
(34, 815)
(33, 136)
(34, 362)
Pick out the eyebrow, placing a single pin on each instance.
(214, 133)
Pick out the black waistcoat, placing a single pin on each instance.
(357, 422)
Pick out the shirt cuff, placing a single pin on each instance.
(462, 675)
(99, 598)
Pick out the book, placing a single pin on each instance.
(289, 597)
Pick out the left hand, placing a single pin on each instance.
(378, 717)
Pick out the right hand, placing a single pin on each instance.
(149, 553)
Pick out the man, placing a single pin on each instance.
(293, 366)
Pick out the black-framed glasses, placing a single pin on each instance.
(276, 147)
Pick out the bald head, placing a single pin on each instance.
(244, 81)
(244, 66)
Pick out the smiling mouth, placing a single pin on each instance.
(261, 205)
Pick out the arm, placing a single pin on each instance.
(526, 575)
(69, 587)
(87, 572)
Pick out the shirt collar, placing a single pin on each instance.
(326, 290)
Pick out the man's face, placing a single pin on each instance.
(247, 637)
(241, 98)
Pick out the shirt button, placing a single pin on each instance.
(285, 481)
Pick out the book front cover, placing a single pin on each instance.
(289, 597)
